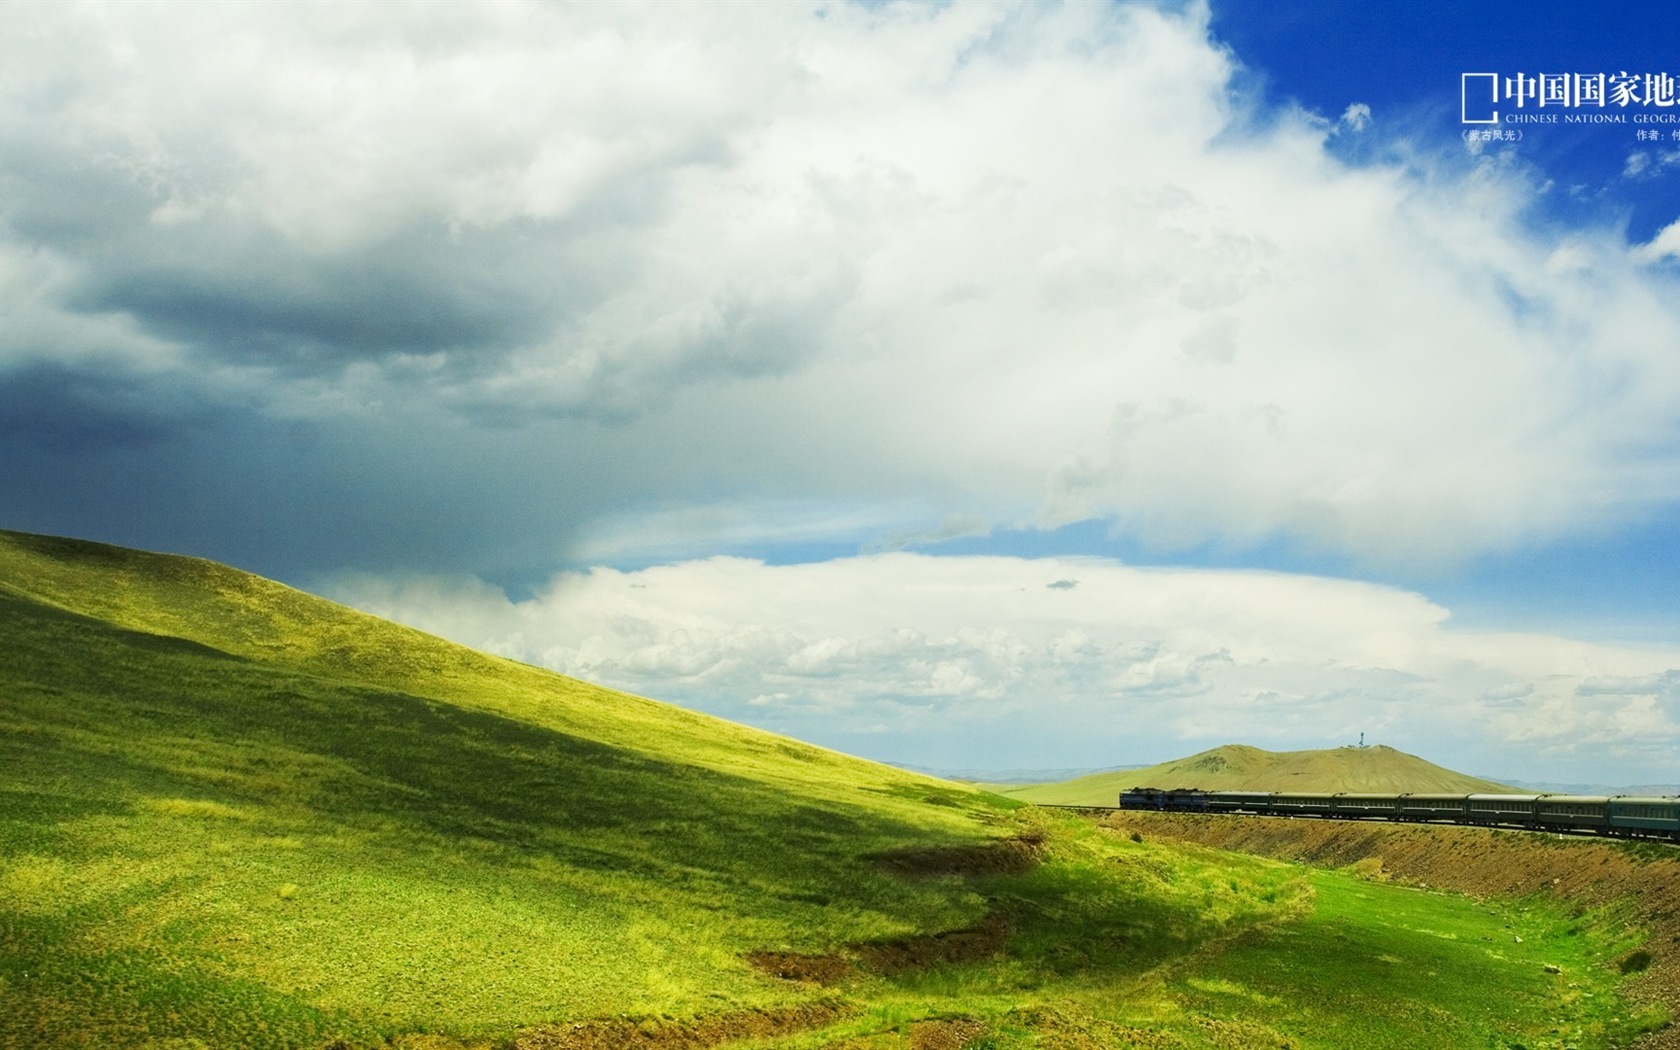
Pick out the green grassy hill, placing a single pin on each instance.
(235, 815)
(277, 806)
(1237, 767)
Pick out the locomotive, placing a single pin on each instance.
(1628, 816)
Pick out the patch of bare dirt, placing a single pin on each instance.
(1055, 1028)
(621, 1033)
(1050, 1026)
(1004, 857)
(914, 953)
(426, 1041)
(810, 969)
(953, 1034)
(889, 957)
(1482, 862)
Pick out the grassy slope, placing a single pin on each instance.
(232, 814)
(264, 794)
(1237, 767)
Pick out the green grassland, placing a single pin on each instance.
(235, 815)
(1239, 767)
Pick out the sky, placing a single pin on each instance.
(962, 385)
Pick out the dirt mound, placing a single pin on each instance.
(1643, 877)
(623, 1033)
(1003, 857)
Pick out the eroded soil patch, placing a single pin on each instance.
(696, 1034)
(952, 1034)
(810, 969)
(1004, 857)
(913, 953)
(889, 958)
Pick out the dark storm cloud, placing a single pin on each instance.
(249, 296)
(70, 409)
(232, 289)
(601, 323)
(181, 233)
(57, 195)
(289, 499)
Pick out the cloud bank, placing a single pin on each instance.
(483, 292)
(1012, 662)
(496, 287)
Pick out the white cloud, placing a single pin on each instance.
(1002, 264)
(1643, 164)
(985, 661)
(1665, 245)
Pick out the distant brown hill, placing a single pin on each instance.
(1238, 767)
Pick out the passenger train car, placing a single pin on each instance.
(1621, 815)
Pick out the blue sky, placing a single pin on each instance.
(965, 385)
(1405, 58)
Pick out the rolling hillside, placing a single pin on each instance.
(223, 798)
(235, 815)
(1237, 767)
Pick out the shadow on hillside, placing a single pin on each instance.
(117, 713)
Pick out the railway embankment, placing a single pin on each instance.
(1638, 883)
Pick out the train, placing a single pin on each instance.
(1625, 816)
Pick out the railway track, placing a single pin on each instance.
(1616, 816)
